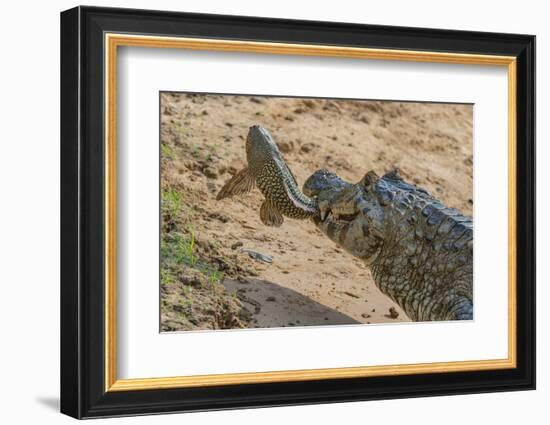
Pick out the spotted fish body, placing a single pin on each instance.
(267, 170)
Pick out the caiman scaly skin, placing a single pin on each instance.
(419, 251)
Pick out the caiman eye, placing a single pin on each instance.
(369, 179)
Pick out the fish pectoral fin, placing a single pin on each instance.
(240, 183)
(270, 215)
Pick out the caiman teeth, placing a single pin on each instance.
(324, 210)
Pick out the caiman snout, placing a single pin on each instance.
(322, 181)
(326, 187)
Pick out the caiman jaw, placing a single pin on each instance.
(337, 214)
(325, 187)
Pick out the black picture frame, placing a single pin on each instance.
(83, 392)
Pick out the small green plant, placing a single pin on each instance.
(215, 276)
(165, 248)
(166, 151)
(171, 202)
(184, 250)
(165, 277)
(187, 302)
(195, 151)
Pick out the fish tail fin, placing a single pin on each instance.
(240, 183)
(270, 215)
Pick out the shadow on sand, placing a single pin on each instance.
(273, 305)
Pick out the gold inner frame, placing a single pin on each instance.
(113, 41)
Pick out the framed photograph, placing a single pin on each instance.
(261, 212)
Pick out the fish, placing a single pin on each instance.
(267, 170)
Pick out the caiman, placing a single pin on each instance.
(419, 251)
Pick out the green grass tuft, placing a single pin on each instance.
(172, 202)
(166, 151)
(185, 250)
(215, 276)
(166, 277)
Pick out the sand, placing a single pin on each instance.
(310, 280)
